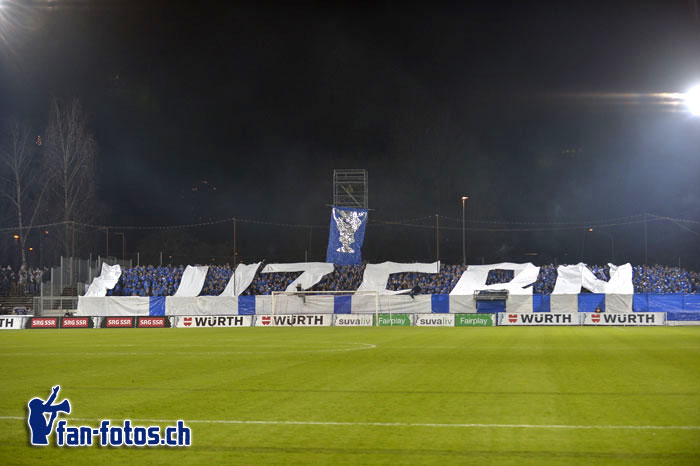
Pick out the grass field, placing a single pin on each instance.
(536, 395)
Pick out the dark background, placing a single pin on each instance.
(514, 104)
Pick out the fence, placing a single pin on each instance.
(62, 285)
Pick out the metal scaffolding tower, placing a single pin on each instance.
(350, 188)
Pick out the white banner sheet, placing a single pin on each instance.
(109, 276)
(364, 303)
(376, 276)
(370, 303)
(309, 320)
(634, 318)
(12, 322)
(568, 280)
(462, 304)
(113, 306)
(302, 304)
(563, 303)
(474, 279)
(618, 302)
(538, 318)
(241, 279)
(192, 281)
(313, 272)
(263, 304)
(348, 320)
(198, 321)
(419, 303)
(201, 305)
(434, 320)
(571, 278)
(519, 303)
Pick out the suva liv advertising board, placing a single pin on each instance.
(435, 320)
(354, 320)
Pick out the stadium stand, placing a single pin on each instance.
(164, 280)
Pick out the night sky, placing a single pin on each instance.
(538, 111)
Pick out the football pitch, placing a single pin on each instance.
(535, 395)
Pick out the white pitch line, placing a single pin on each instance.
(217, 344)
(365, 346)
(386, 424)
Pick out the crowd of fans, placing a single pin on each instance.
(427, 283)
(148, 281)
(24, 282)
(218, 277)
(164, 280)
(343, 278)
(661, 279)
(266, 283)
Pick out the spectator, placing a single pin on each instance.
(25, 282)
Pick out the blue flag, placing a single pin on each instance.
(346, 236)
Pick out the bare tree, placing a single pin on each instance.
(71, 150)
(22, 180)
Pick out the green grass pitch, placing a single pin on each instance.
(557, 395)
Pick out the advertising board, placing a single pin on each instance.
(213, 321)
(435, 320)
(117, 322)
(475, 320)
(538, 318)
(77, 322)
(42, 322)
(152, 322)
(295, 320)
(356, 320)
(624, 318)
(394, 320)
(11, 322)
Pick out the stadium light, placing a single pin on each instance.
(15, 236)
(692, 100)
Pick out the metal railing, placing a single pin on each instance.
(57, 305)
(72, 274)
